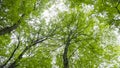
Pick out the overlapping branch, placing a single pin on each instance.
(11, 28)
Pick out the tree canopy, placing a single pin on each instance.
(60, 34)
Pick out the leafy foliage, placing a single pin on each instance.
(85, 35)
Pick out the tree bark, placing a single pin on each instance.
(65, 58)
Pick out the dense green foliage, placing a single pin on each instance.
(83, 35)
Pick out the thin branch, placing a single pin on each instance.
(75, 51)
(118, 10)
(14, 26)
(78, 46)
(117, 7)
(13, 65)
(11, 28)
(33, 43)
(11, 56)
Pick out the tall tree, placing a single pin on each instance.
(83, 34)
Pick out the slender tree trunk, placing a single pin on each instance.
(65, 58)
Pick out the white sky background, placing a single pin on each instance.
(58, 6)
(51, 12)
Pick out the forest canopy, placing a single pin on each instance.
(59, 33)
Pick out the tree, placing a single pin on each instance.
(84, 35)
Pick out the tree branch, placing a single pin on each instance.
(2, 66)
(11, 28)
(14, 64)
(117, 7)
(65, 58)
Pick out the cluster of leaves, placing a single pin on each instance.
(72, 40)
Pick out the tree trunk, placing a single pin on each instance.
(65, 58)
